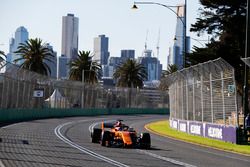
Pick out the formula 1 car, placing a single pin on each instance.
(120, 135)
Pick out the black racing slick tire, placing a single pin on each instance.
(145, 141)
(96, 135)
(105, 138)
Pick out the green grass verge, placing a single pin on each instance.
(163, 128)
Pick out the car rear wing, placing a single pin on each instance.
(107, 125)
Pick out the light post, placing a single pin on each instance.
(83, 88)
(184, 21)
(247, 55)
(83, 82)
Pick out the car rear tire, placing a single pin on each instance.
(96, 135)
(105, 138)
(145, 141)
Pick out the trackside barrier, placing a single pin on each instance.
(15, 115)
(205, 92)
(208, 130)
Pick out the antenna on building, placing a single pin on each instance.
(146, 40)
(158, 44)
(157, 54)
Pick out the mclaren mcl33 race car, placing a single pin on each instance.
(118, 134)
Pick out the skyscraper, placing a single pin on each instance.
(114, 62)
(21, 36)
(69, 48)
(101, 53)
(70, 36)
(177, 55)
(152, 65)
(63, 67)
(53, 62)
(128, 54)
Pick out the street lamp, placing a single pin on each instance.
(247, 55)
(184, 21)
(83, 83)
(83, 88)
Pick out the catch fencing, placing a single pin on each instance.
(23, 89)
(204, 93)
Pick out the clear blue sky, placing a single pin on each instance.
(126, 28)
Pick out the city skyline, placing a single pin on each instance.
(125, 28)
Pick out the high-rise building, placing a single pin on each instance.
(128, 54)
(63, 67)
(107, 71)
(21, 36)
(176, 56)
(69, 36)
(114, 62)
(101, 52)
(151, 64)
(53, 62)
(69, 48)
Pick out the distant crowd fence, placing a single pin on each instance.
(24, 89)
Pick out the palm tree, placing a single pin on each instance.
(34, 55)
(84, 63)
(130, 74)
(3, 54)
(170, 69)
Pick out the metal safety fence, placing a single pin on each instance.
(21, 89)
(205, 93)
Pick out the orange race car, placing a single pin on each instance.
(118, 134)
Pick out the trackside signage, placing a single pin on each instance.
(214, 131)
(38, 93)
(183, 126)
(219, 132)
(196, 128)
(174, 124)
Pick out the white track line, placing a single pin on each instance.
(9, 126)
(1, 164)
(83, 149)
(91, 127)
(165, 158)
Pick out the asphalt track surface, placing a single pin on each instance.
(66, 142)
